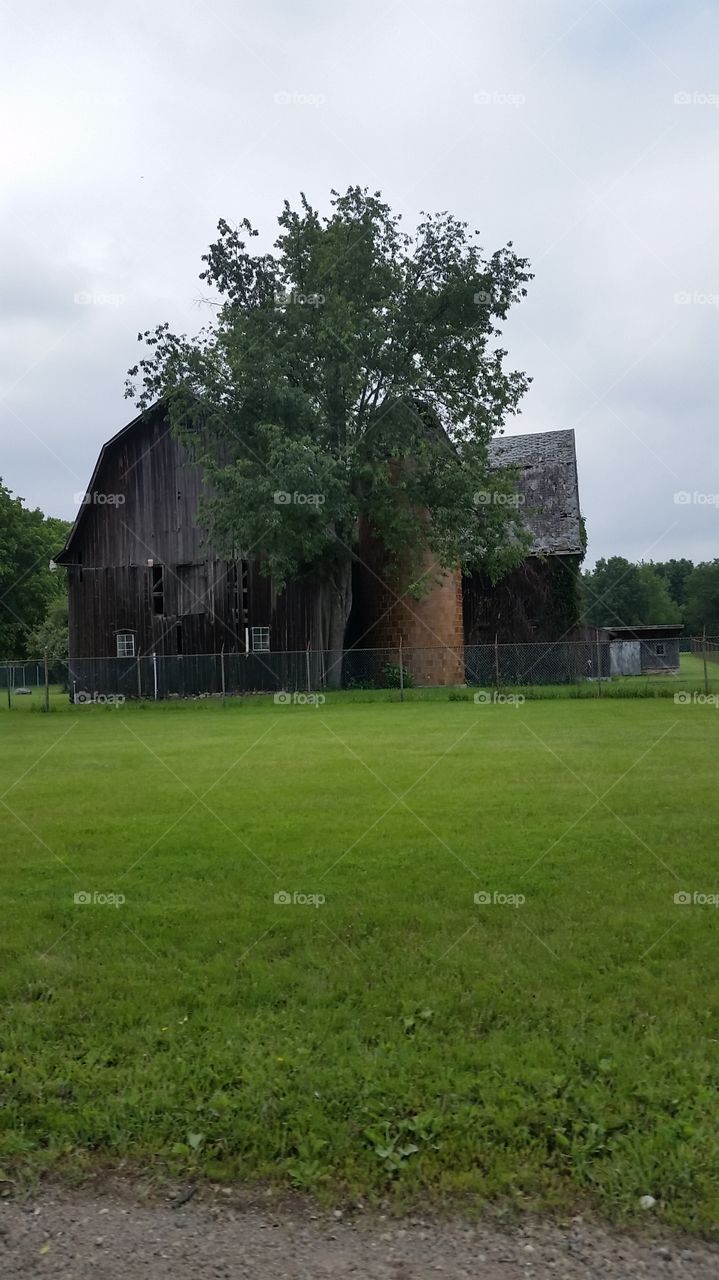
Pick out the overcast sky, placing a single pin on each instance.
(584, 132)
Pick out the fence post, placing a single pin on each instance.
(9, 695)
(307, 661)
(496, 661)
(139, 678)
(704, 655)
(154, 674)
(401, 672)
(47, 681)
(222, 671)
(599, 662)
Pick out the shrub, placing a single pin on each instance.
(391, 673)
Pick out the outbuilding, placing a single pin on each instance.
(644, 650)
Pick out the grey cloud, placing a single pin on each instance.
(130, 131)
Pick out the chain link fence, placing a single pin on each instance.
(705, 647)
(590, 664)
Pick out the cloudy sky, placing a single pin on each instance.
(584, 132)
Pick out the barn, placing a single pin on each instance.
(539, 600)
(142, 579)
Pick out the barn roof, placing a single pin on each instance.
(546, 464)
(63, 556)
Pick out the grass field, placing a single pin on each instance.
(557, 1045)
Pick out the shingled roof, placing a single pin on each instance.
(546, 464)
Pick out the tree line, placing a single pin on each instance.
(33, 599)
(617, 592)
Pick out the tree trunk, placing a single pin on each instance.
(336, 606)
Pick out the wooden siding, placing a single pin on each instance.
(141, 518)
(141, 512)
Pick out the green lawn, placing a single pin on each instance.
(397, 1039)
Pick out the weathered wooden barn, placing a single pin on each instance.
(539, 600)
(141, 577)
(143, 580)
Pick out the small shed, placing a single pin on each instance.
(645, 650)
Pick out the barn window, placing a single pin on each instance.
(261, 639)
(660, 650)
(125, 644)
(158, 589)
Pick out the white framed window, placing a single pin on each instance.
(260, 639)
(125, 644)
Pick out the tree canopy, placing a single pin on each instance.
(701, 607)
(619, 593)
(351, 373)
(28, 541)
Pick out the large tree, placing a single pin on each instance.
(675, 574)
(28, 541)
(352, 374)
(619, 593)
(702, 599)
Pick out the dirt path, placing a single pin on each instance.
(116, 1236)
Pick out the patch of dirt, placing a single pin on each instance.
(118, 1235)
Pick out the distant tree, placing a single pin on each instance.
(702, 599)
(359, 365)
(675, 574)
(657, 604)
(28, 541)
(51, 636)
(619, 593)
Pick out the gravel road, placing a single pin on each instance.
(119, 1235)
